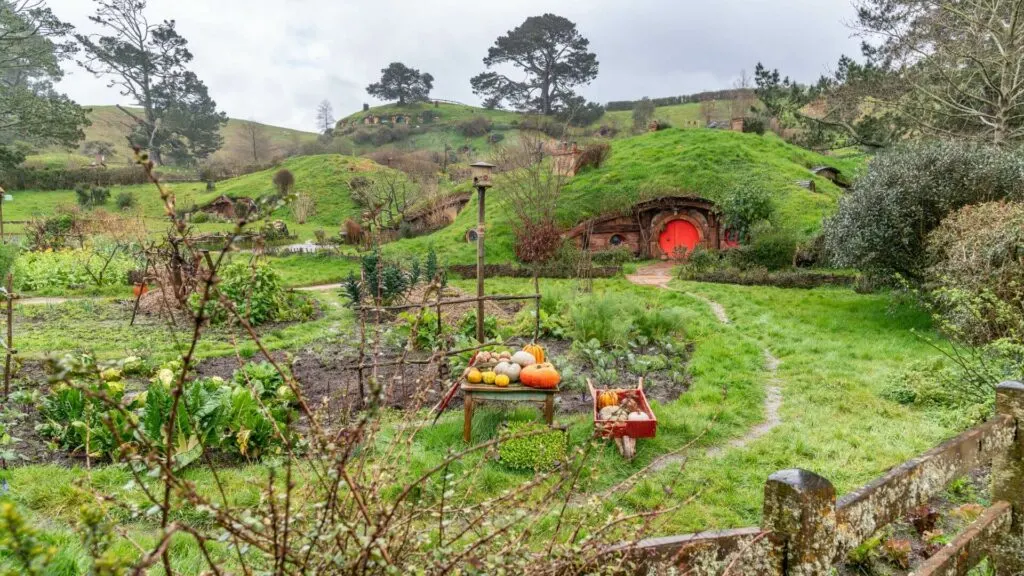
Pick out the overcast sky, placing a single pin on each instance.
(274, 60)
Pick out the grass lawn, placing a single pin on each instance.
(836, 349)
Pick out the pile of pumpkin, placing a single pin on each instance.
(501, 369)
(618, 406)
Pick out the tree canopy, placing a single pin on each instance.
(554, 56)
(148, 63)
(33, 42)
(402, 83)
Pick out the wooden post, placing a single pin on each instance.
(10, 335)
(800, 515)
(1008, 477)
(480, 265)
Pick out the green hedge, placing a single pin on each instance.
(68, 178)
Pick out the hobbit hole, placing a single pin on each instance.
(670, 227)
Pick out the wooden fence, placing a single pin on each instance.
(806, 530)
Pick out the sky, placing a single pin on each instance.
(273, 61)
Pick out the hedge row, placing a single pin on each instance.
(784, 279)
(68, 178)
(514, 271)
(622, 105)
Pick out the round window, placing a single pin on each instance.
(617, 240)
(471, 235)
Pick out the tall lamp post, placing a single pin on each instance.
(482, 181)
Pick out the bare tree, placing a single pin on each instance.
(256, 140)
(961, 63)
(325, 117)
(707, 110)
(743, 101)
(387, 199)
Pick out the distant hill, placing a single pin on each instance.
(111, 125)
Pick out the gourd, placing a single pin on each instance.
(543, 376)
(474, 376)
(509, 369)
(524, 359)
(638, 416)
(489, 377)
(536, 351)
(501, 381)
(607, 398)
(607, 413)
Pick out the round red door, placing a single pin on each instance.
(679, 237)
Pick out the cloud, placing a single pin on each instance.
(273, 61)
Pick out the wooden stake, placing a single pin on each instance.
(10, 334)
(480, 265)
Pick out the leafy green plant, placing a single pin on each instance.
(66, 269)
(126, 200)
(532, 446)
(467, 326)
(256, 293)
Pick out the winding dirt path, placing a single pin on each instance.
(660, 275)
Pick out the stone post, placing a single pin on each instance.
(1008, 478)
(800, 513)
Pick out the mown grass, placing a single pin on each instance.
(679, 115)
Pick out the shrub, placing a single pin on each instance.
(534, 449)
(745, 205)
(126, 200)
(68, 178)
(882, 226)
(616, 256)
(754, 125)
(91, 196)
(976, 275)
(256, 293)
(199, 217)
(593, 156)
(771, 249)
(474, 127)
(284, 181)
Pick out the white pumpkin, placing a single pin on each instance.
(509, 369)
(638, 416)
(608, 412)
(524, 359)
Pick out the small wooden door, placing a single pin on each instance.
(679, 238)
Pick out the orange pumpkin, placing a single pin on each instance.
(543, 376)
(607, 398)
(536, 351)
(140, 290)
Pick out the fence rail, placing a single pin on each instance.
(805, 530)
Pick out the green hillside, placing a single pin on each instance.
(111, 125)
(674, 162)
(679, 116)
(325, 178)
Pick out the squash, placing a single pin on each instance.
(608, 412)
(474, 376)
(524, 359)
(607, 398)
(489, 377)
(509, 369)
(542, 376)
(501, 381)
(638, 416)
(536, 351)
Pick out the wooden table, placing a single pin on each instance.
(474, 393)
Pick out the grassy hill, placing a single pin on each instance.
(706, 163)
(679, 116)
(111, 125)
(325, 178)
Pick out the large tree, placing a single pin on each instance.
(33, 42)
(401, 83)
(148, 62)
(555, 59)
(960, 64)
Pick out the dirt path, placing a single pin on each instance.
(660, 275)
(320, 288)
(46, 301)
